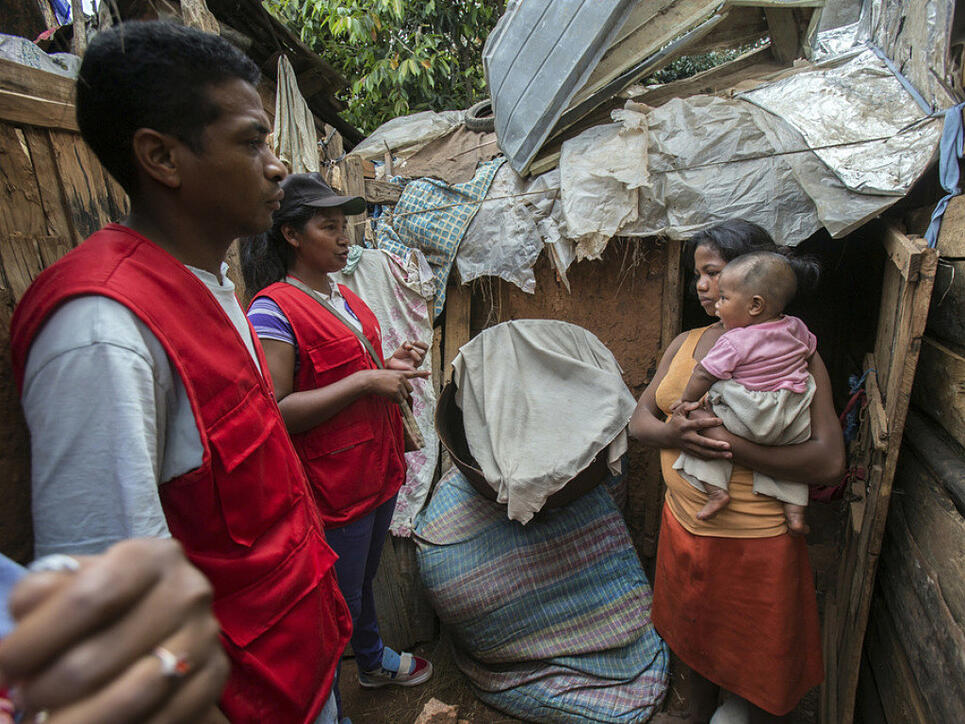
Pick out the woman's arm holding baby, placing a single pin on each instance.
(681, 432)
(818, 461)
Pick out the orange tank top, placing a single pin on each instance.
(747, 515)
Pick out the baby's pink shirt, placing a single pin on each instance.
(769, 356)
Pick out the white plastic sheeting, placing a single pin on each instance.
(602, 172)
(20, 50)
(836, 107)
(406, 134)
(792, 156)
(708, 161)
(503, 239)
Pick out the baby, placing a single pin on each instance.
(756, 379)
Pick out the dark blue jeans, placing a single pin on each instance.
(359, 548)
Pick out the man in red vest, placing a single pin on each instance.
(148, 400)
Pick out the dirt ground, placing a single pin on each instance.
(398, 705)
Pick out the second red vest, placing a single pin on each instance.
(355, 461)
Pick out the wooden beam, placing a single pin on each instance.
(935, 642)
(36, 111)
(34, 82)
(654, 25)
(21, 207)
(944, 461)
(775, 3)
(79, 43)
(932, 514)
(382, 192)
(785, 34)
(21, 260)
(893, 673)
(901, 323)
(456, 334)
(673, 280)
(353, 184)
(904, 252)
(51, 190)
(940, 386)
(741, 27)
(876, 408)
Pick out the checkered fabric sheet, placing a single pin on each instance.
(433, 217)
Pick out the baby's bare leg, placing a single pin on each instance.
(794, 514)
(717, 500)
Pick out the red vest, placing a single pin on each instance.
(355, 460)
(245, 517)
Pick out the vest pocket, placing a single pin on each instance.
(334, 438)
(337, 359)
(254, 485)
(289, 626)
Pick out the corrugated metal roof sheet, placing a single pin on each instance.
(549, 63)
(536, 59)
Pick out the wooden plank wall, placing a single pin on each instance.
(54, 193)
(914, 659)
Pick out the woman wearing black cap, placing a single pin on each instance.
(339, 404)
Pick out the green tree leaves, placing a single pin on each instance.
(400, 56)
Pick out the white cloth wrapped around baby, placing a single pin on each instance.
(767, 417)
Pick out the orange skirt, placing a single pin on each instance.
(741, 612)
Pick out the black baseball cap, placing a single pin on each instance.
(310, 189)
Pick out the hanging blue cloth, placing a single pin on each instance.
(948, 168)
(61, 11)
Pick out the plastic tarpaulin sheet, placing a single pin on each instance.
(452, 157)
(707, 161)
(767, 161)
(20, 50)
(838, 108)
(503, 239)
(540, 399)
(405, 135)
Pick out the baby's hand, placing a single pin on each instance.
(674, 405)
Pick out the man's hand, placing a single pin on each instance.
(86, 641)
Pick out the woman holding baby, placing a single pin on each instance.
(733, 591)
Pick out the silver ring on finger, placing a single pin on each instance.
(172, 666)
(56, 563)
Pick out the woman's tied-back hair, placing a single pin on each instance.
(266, 258)
(151, 75)
(737, 237)
(731, 239)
